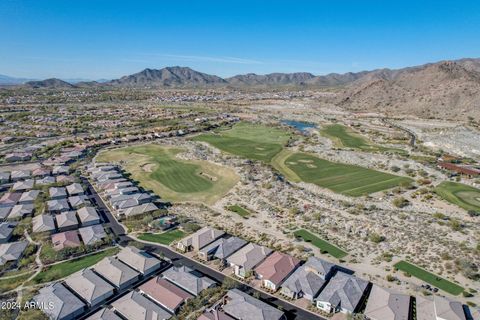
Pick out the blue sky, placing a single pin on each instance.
(107, 39)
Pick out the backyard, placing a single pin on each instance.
(429, 277)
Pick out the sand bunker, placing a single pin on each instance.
(148, 167)
(312, 166)
(305, 161)
(210, 177)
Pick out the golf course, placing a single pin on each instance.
(252, 141)
(460, 194)
(342, 178)
(267, 144)
(343, 136)
(158, 169)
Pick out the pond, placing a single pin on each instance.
(299, 125)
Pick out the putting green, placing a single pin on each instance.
(459, 194)
(346, 179)
(252, 141)
(157, 168)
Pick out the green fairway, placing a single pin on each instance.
(252, 141)
(429, 277)
(157, 168)
(164, 238)
(460, 194)
(244, 213)
(64, 269)
(345, 137)
(347, 179)
(323, 245)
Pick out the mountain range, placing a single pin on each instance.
(442, 89)
(173, 77)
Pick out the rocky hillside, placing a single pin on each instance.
(168, 77)
(272, 79)
(49, 83)
(449, 89)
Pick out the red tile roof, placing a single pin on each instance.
(459, 169)
(277, 267)
(67, 239)
(166, 293)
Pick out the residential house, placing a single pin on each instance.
(129, 200)
(88, 285)
(23, 185)
(18, 156)
(77, 202)
(57, 193)
(104, 314)
(67, 220)
(4, 177)
(43, 223)
(88, 216)
(343, 293)
(12, 251)
(4, 212)
(134, 305)
(188, 279)
(64, 179)
(6, 231)
(221, 248)
(425, 309)
(58, 206)
(446, 309)
(214, 314)
(384, 304)
(75, 189)
(244, 260)
(17, 175)
(10, 199)
(308, 279)
(139, 260)
(58, 170)
(275, 269)
(59, 302)
(138, 210)
(41, 172)
(199, 239)
(67, 239)
(240, 305)
(21, 210)
(92, 234)
(166, 294)
(45, 180)
(116, 272)
(124, 191)
(29, 196)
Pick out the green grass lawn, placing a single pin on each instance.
(429, 277)
(63, 269)
(345, 137)
(164, 238)
(346, 179)
(460, 194)
(241, 211)
(323, 245)
(12, 283)
(252, 141)
(157, 168)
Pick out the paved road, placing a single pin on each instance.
(177, 259)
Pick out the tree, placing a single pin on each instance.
(400, 202)
(376, 238)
